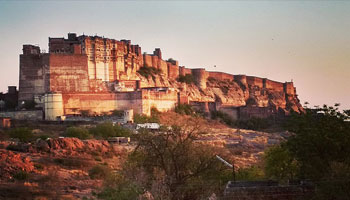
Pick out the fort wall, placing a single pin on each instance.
(274, 85)
(33, 75)
(220, 76)
(200, 77)
(289, 88)
(183, 71)
(255, 81)
(173, 70)
(68, 73)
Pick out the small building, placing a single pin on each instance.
(151, 126)
(5, 122)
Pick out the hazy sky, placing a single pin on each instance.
(307, 41)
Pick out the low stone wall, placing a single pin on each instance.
(24, 115)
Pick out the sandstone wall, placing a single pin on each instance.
(32, 115)
(274, 85)
(183, 71)
(68, 73)
(220, 76)
(33, 77)
(289, 88)
(255, 81)
(173, 71)
(162, 100)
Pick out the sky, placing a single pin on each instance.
(304, 41)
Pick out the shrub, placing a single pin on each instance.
(222, 117)
(71, 162)
(121, 131)
(106, 130)
(253, 123)
(149, 71)
(103, 130)
(252, 173)
(23, 134)
(188, 78)
(78, 132)
(141, 119)
(21, 175)
(85, 113)
(184, 109)
(38, 166)
(118, 113)
(99, 172)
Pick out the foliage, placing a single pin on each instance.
(78, 132)
(171, 165)
(29, 105)
(188, 78)
(72, 162)
(99, 172)
(224, 117)
(118, 113)
(320, 148)
(22, 133)
(141, 118)
(254, 123)
(279, 164)
(184, 109)
(21, 175)
(146, 71)
(106, 130)
(252, 173)
(117, 187)
(85, 113)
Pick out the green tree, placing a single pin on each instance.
(78, 132)
(23, 134)
(320, 147)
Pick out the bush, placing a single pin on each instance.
(72, 162)
(222, 117)
(99, 172)
(252, 173)
(184, 109)
(141, 119)
(149, 71)
(188, 78)
(23, 134)
(21, 175)
(106, 130)
(78, 132)
(253, 123)
(118, 113)
(85, 113)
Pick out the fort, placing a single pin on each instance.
(99, 75)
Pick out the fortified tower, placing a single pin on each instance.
(200, 77)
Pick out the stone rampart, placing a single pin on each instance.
(32, 115)
(183, 71)
(68, 73)
(220, 76)
(200, 77)
(255, 81)
(274, 85)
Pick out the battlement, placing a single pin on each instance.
(29, 49)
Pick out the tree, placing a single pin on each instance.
(320, 147)
(171, 164)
